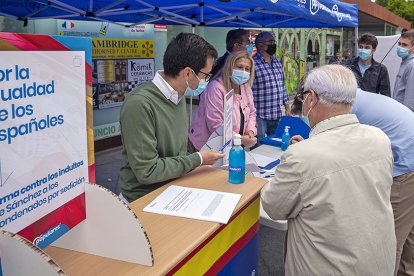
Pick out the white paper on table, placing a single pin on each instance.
(262, 160)
(195, 204)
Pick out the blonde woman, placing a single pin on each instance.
(237, 74)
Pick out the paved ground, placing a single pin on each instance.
(107, 164)
(271, 240)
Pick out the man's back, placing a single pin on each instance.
(395, 119)
(340, 217)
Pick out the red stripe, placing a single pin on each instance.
(45, 43)
(29, 42)
(71, 213)
(91, 173)
(233, 250)
(195, 251)
(88, 74)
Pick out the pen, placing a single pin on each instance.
(225, 145)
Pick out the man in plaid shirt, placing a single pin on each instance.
(269, 91)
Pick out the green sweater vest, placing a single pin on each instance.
(154, 133)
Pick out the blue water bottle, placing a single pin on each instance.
(285, 139)
(237, 162)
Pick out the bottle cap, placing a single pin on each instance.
(287, 128)
(237, 140)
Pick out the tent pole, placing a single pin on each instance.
(90, 9)
(356, 40)
(190, 116)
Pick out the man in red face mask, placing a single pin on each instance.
(269, 91)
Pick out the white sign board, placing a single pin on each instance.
(43, 143)
(387, 53)
(140, 70)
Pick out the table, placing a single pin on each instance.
(183, 246)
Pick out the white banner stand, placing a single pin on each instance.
(228, 124)
(20, 257)
(110, 230)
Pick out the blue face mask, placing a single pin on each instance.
(249, 48)
(240, 77)
(305, 118)
(364, 54)
(195, 92)
(403, 52)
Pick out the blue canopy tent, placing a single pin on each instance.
(218, 13)
(214, 13)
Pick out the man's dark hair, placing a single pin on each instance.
(409, 35)
(235, 36)
(261, 36)
(368, 39)
(187, 50)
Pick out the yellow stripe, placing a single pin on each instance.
(6, 46)
(89, 125)
(212, 251)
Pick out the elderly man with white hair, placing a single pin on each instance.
(334, 188)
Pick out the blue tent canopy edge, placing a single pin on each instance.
(217, 13)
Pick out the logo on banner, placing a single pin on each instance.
(104, 28)
(68, 25)
(314, 7)
(301, 3)
(50, 235)
(335, 10)
(274, 1)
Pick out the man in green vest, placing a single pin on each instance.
(153, 119)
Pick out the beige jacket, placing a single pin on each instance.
(334, 189)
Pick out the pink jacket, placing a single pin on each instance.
(210, 112)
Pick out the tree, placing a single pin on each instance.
(381, 2)
(403, 8)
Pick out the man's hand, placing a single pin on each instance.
(210, 157)
(295, 139)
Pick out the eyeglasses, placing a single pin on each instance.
(301, 96)
(207, 77)
(247, 43)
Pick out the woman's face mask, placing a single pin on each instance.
(240, 77)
